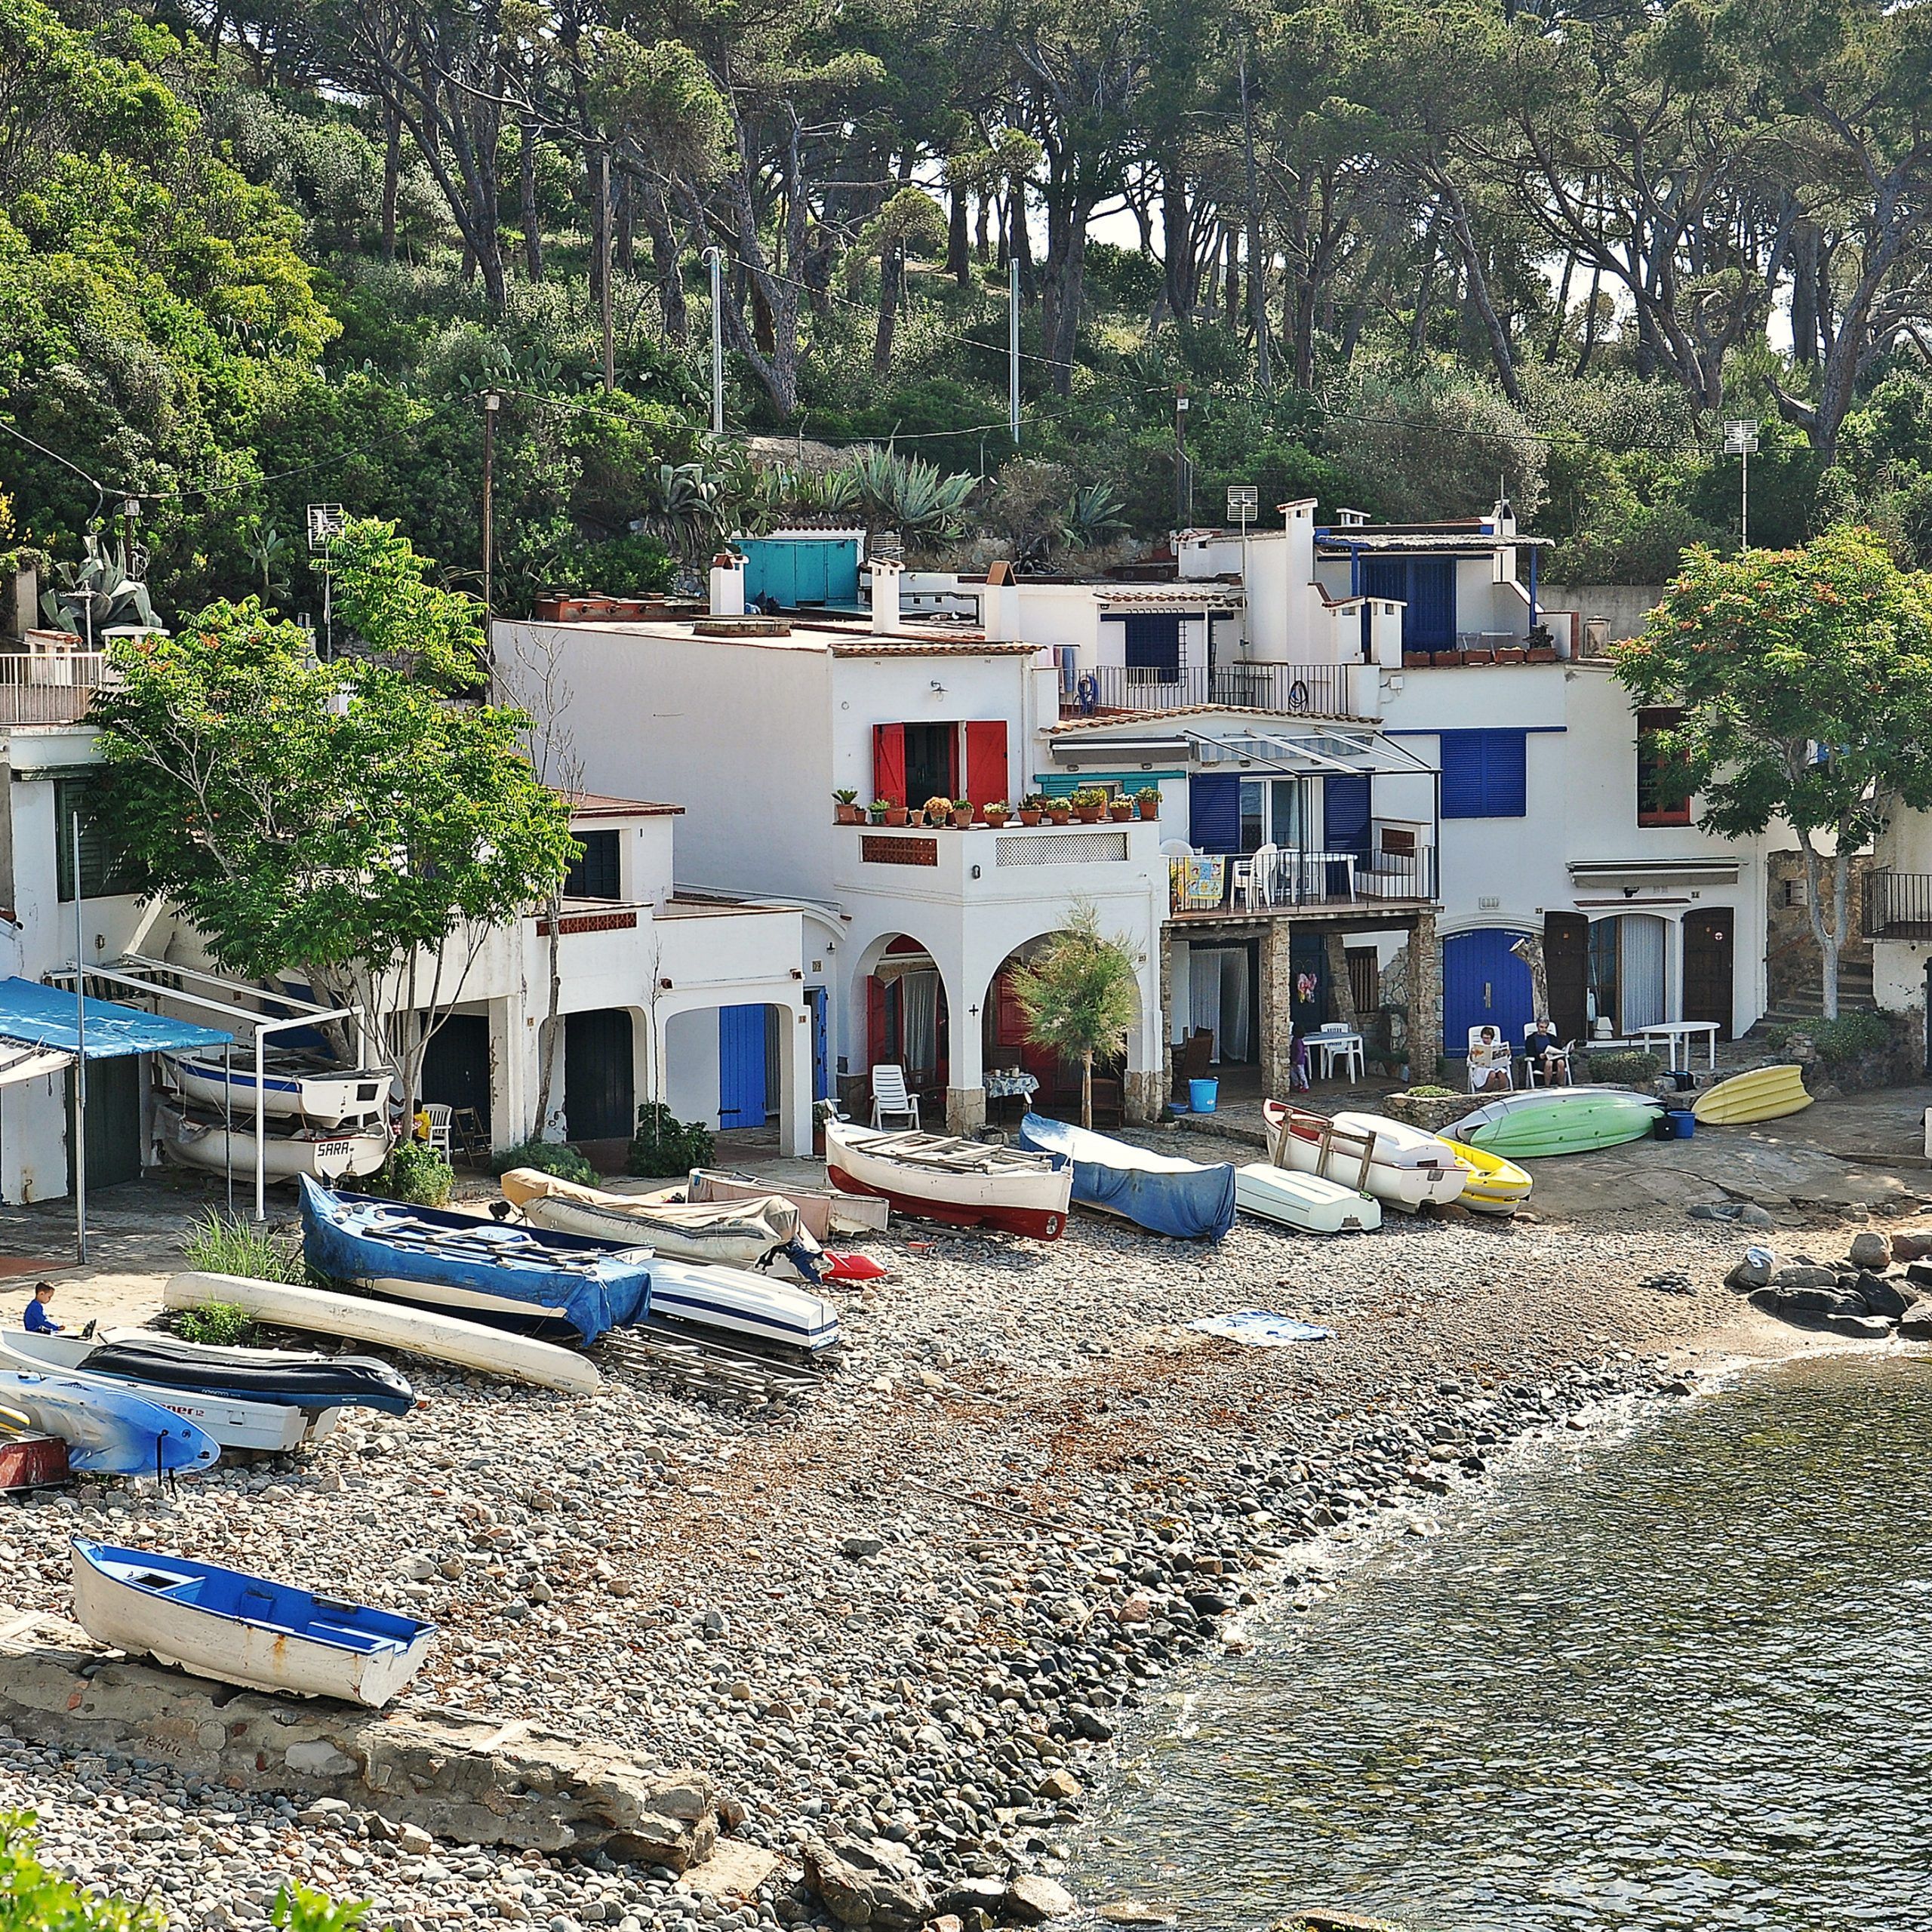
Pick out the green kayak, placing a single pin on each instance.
(1560, 1120)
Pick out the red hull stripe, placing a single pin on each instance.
(1036, 1224)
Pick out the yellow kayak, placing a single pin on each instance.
(1494, 1185)
(12, 1423)
(1766, 1093)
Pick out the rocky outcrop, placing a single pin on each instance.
(1857, 1297)
(869, 1882)
(453, 1776)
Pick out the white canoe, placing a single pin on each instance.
(418, 1331)
(822, 1212)
(1404, 1166)
(294, 1088)
(321, 1153)
(766, 1233)
(968, 1183)
(239, 1628)
(234, 1422)
(1306, 1202)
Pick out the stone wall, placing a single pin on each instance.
(1425, 1000)
(1792, 967)
(1276, 1006)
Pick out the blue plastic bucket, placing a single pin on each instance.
(1201, 1094)
(1677, 1123)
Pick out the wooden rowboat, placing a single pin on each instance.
(1304, 1201)
(1399, 1164)
(241, 1629)
(322, 1153)
(968, 1182)
(294, 1086)
(824, 1212)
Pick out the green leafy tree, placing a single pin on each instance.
(1805, 680)
(1080, 996)
(338, 822)
(383, 596)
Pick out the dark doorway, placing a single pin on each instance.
(1566, 958)
(931, 766)
(598, 1096)
(114, 1122)
(1708, 954)
(456, 1064)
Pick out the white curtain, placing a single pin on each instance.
(1203, 993)
(1219, 997)
(919, 1021)
(1235, 1003)
(1643, 971)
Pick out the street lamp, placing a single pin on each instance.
(1740, 440)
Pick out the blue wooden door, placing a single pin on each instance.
(740, 1066)
(1429, 622)
(1483, 984)
(821, 1002)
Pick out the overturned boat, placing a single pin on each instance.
(1305, 1201)
(1400, 1165)
(108, 1431)
(766, 1234)
(1160, 1192)
(965, 1182)
(321, 1153)
(237, 1628)
(1546, 1121)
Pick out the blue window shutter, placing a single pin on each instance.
(1483, 774)
(1345, 812)
(1213, 807)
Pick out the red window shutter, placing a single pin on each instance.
(875, 1019)
(986, 761)
(889, 762)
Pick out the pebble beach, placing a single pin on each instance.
(919, 1603)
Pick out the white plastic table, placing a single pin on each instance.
(1674, 1033)
(1330, 1045)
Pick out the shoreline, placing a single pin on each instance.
(921, 1607)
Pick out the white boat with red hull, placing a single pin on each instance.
(940, 1178)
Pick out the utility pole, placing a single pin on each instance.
(604, 266)
(1013, 348)
(1257, 280)
(715, 257)
(1740, 440)
(1183, 473)
(492, 402)
(131, 510)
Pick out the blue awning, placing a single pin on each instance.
(36, 1016)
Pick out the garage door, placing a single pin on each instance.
(1483, 984)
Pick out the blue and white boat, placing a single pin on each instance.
(1157, 1192)
(440, 1258)
(295, 1086)
(241, 1629)
(109, 1431)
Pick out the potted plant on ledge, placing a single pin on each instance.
(1120, 810)
(1148, 798)
(1060, 810)
(938, 811)
(1032, 809)
(896, 814)
(998, 812)
(877, 811)
(963, 810)
(845, 808)
(1090, 804)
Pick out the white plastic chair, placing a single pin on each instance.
(1489, 1058)
(890, 1097)
(440, 1136)
(1265, 875)
(1532, 1070)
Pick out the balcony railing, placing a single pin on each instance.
(1316, 691)
(49, 687)
(1898, 905)
(1210, 885)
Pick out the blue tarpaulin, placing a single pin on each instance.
(37, 1015)
(1153, 1191)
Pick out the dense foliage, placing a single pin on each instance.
(254, 257)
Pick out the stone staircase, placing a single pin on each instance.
(1807, 1002)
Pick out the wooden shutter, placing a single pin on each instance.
(1484, 774)
(986, 761)
(889, 762)
(1345, 812)
(874, 1021)
(1214, 811)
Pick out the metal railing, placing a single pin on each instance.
(1285, 882)
(49, 687)
(1318, 691)
(1898, 905)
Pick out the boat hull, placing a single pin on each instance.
(1542, 1124)
(444, 1338)
(108, 1431)
(1187, 1199)
(822, 1213)
(266, 1636)
(1766, 1093)
(734, 1301)
(1304, 1201)
(1408, 1169)
(321, 1156)
(232, 1422)
(322, 1100)
(1015, 1197)
(1494, 1185)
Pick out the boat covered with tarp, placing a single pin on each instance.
(1160, 1192)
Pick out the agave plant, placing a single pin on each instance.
(686, 507)
(102, 591)
(908, 493)
(1093, 513)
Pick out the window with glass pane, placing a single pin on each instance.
(1253, 814)
(1288, 815)
(106, 868)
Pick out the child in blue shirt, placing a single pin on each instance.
(39, 1322)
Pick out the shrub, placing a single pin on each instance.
(1849, 1037)
(547, 1157)
(416, 1173)
(219, 1324)
(1627, 1066)
(662, 1146)
(226, 1244)
(1431, 1093)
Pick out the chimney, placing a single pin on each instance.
(728, 585)
(886, 573)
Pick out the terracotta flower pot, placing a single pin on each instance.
(1121, 813)
(1148, 807)
(848, 814)
(896, 815)
(1060, 814)
(961, 819)
(1089, 815)
(1027, 817)
(1541, 653)
(997, 816)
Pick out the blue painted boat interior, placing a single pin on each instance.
(233, 1594)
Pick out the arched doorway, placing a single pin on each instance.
(1629, 971)
(1485, 982)
(1006, 1049)
(908, 1023)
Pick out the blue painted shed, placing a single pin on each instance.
(796, 571)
